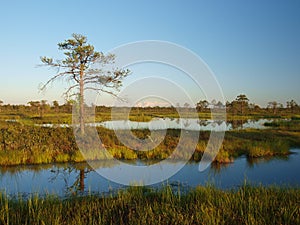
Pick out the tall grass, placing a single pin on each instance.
(136, 205)
(24, 144)
(258, 149)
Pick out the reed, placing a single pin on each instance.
(140, 205)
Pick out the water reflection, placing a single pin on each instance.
(184, 123)
(178, 123)
(252, 162)
(79, 171)
(66, 179)
(217, 168)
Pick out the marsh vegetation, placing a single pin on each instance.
(24, 141)
(24, 144)
(136, 205)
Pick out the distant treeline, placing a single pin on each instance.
(239, 106)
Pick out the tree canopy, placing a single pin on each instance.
(86, 69)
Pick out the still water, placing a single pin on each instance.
(65, 179)
(182, 123)
(179, 123)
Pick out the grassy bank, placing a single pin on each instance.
(203, 205)
(25, 144)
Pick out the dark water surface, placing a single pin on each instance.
(64, 179)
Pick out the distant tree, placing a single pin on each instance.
(44, 107)
(288, 105)
(40, 107)
(274, 106)
(35, 106)
(292, 105)
(228, 104)
(202, 105)
(235, 107)
(76, 67)
(68, 105)
(242, 100)
(253, 107)
(1, 102)
(55, 105)
(257, 108)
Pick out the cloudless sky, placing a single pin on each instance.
(253, 47)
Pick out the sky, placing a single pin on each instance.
(252, 47)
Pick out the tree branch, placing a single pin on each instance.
(54, 78)
(70, 88)
(107, 92)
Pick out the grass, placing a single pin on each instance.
(25, 144)
(259, 149)
(141, 205)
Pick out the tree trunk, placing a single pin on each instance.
(242, 108)
(81, 181)
(81, 102)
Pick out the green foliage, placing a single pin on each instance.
(77, 68)
(140, 205)
(21, 144)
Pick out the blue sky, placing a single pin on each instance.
(251, 46)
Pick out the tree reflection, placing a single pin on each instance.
(217, 167)
(66, 173)
(202, 123)
(74, 175)
(252, 161)
(236, 124)
(186, 123)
